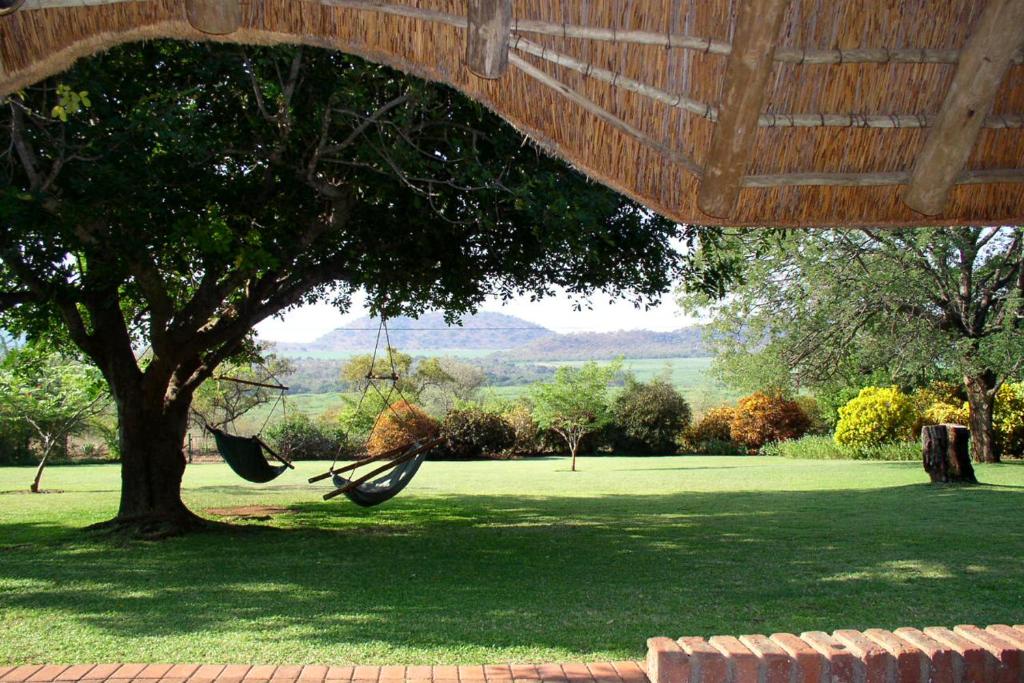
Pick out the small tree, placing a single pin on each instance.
(54, 395)
(575, 403)
(221, 400)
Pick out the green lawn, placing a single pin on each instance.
(510, 561)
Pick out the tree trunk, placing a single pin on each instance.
(152, 466)
(34, 488)
(981, 396)
(573, 447)
(945, 454)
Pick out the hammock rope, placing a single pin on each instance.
(402, 463)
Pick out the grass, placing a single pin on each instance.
(510, 561)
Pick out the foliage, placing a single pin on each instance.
(221, 400)
(763, 418)
(815, 447)
(53, 395)
(712, 434)
(648, 418)
(298, 437)
(436, 384)
(575, 403)
(400, 425)
(1008, 419)
(817, 422)
(836, 393)
(878, 415)
(823, 309)
(941, 412)
(472, 432)
(526, 433)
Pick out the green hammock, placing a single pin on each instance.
(245, 455)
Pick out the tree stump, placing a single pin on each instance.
(945, 454)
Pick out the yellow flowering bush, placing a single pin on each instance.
(1008, 419)
(877, 415)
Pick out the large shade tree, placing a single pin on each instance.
(825, 308)
(170, 196)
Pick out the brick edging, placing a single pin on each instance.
(907, 655)
(601, 672)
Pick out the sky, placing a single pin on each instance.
(306, 323)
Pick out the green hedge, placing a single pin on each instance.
(824, 448)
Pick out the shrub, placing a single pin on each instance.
(818, 423)
(878, 415)
(526, 433)
(939, 403)
(939, 413)
(1008, 419)
(711, 435)
(762, 418)
(825, 448)
(401, 424)
(15, 437)
(473, 432)
(300, 438)
(648, 418)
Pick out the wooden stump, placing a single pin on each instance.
(945, 454)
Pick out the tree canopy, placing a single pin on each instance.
(171, 195)
(823, 309)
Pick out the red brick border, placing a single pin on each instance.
(604, 672)
(964, 654)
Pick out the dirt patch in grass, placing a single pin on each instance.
(257, 512)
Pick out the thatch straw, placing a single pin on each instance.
(612, 87)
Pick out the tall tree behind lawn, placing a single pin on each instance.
(819, 308)
(173, 195)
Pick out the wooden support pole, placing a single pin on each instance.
(217, 17)
(487, 37)
(996, 38)
(746, 76)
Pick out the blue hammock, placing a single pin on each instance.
(384, 488)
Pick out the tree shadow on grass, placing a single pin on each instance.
(591, 575)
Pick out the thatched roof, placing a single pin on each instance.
(825, 105)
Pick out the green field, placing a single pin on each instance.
(690, 375)
(509, 561)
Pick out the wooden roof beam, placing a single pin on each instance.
(746, 76)
(487, 36)
(990, 49)
(217, 17)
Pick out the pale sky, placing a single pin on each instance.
(306, 323)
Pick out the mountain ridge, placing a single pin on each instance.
(509, 337)
(485, 330)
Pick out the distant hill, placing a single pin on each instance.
(683, 343)
(483, 331)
